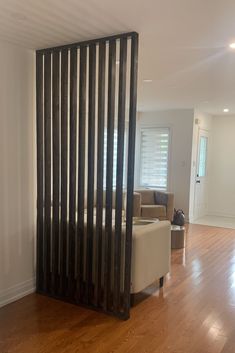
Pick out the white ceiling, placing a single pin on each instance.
(183, 43)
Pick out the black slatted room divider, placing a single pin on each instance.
(86, 119)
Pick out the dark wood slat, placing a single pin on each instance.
(81, 169)
(56, 169)
(39, 95)
(87, 42)
(130, 172)
(47, 159)
(72, 169)
(100, 172)
(119, 175)
(90, 171)
(109, 174)
(64, 170)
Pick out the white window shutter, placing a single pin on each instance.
(154, 157)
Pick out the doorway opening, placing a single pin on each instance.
(212, 194)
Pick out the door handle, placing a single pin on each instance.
(198, 181)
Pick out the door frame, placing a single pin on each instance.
(207, 133)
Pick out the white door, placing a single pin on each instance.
(201, 187)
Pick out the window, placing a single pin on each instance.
(202, 156)
(154, 151)
(115, 141)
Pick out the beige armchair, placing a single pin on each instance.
(153, 204)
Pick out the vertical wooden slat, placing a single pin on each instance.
(109, 173)
(100, 172)
(81, 168)
(64, 170)
(56, 168)
(72, 168)
(90, 171)
(119, 172)
(39, 107)
(130, 172)
(47, 159)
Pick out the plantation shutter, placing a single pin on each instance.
(154, 157)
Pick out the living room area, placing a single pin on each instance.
(194, 161)
(117, 229)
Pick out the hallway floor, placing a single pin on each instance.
(215, 221)
(193, 313)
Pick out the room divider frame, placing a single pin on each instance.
(85, 93)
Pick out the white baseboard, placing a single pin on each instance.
(16, 292)
(220, 214)
(215, 214)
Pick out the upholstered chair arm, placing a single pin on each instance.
(170, 206)
(136, 204)
(150, 254)
(165, 199)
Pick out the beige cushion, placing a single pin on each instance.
(155, 211)
(147, 197)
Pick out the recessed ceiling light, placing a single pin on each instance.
(232, 45)
(148, 80)
(226, 110)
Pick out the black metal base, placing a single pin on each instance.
(161, 282)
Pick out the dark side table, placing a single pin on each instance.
(177, 237)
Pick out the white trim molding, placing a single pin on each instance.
(16, 292)
(221, 214)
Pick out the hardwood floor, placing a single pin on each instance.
(193, 313)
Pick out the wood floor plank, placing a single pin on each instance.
(193, 313)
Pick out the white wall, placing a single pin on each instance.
(180, 123)
(17, 176)
(201, 121)
(222, 176)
